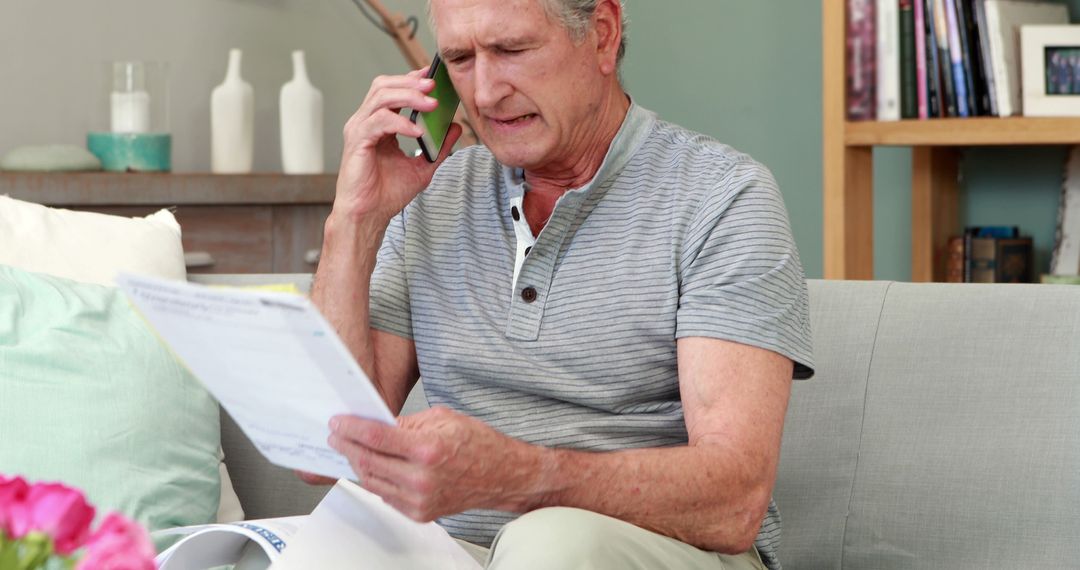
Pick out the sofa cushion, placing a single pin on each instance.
(89, 396)
(87, 246)
(970, 454)
(821, 433)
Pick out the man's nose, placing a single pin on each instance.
(491, 84)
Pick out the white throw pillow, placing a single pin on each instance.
(92, 248)
(86, 246)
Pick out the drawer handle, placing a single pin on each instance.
(312, 256)
(196, 259)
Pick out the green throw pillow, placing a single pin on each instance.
(90, 397)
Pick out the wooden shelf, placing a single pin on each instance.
(980, 131)
(167, 189)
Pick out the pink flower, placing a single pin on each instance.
(12, 493)
(56, 510)
(118, 544)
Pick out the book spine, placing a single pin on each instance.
(933, 75)
(954, 260)
(987, 56)
(908, 80)
(1013, 260)
(998, 60)
(888, 61)
(956, 59)
(982, 259)
(919, 34)
(970, 58)
(861, 77)
(941, 31)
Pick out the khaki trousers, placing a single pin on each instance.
(561, 538)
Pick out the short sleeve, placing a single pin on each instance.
(390, 307)
(740, 275)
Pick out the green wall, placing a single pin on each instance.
(749, 73)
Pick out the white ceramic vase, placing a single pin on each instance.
(232, 122)
(301, 122)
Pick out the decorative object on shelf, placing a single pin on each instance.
(1051, 70)
(301, 106)
(232, 122)
(50, 158)
(136, 102)
(1066, 258)
(1003, 19)
(48, 525)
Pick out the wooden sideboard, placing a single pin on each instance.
(243, 223)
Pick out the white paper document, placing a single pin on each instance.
(270, 359)
(213, 545)
(352, 528)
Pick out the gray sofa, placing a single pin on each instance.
(942, 430)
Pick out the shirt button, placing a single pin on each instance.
(527, 250)
(515, 213)
(528, 294)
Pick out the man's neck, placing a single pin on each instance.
(560, 178)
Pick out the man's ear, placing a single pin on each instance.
(607, 25)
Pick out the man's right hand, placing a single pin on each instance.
(376, 177)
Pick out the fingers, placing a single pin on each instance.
(368, 463)
(373, 435)
(399, 98)
(313, 479)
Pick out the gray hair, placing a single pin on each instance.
(575, 16)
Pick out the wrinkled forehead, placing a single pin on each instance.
(458, 18)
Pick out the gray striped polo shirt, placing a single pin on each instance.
(677, 235)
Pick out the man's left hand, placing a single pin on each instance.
(440, 462)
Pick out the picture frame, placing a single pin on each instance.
(1050, 70)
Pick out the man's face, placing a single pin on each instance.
(531, 92)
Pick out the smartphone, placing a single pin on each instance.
(436, 124)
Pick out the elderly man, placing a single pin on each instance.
(607, 309)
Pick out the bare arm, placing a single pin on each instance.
(375, 182)
(712, 493)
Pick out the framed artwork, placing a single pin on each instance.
(1050, 69)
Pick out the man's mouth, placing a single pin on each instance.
(513, 121)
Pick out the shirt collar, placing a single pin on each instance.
(633, 132)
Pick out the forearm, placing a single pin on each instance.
(697, 494)
(342, 284)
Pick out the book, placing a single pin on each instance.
(1066, 257)
(974, 50)
(941, 35)
(917, 35)
(982, 30)
(956, 58)
(934, 92)
(888, 60)
(1003, 21)
(966, 59)
(954, 260)
(912, 97)
(350, 528)
(973, 232)
(861, 60)
(1001, 260)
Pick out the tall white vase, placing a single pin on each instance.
(301, 122)
(232, 122)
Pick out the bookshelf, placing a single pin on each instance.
(935, 143)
